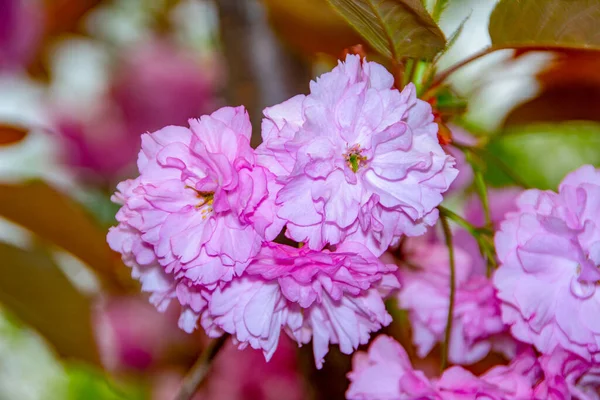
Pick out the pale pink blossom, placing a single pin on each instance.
(329, 297)
(568, 376)
(477, 326)
(514, 381)
(386, 373)
(139, 255)
(189, 218)
(548, 279)
(358, 160)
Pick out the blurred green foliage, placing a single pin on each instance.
(542, 153)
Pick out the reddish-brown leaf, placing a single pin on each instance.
(10, 134)
(36, 291)
(546, 23)
(57, 219)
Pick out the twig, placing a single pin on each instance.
(200, 369)
(442, 76)
(463, 223)
(446, 344)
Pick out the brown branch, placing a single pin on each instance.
(200, 369)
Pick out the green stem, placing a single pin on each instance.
(442, 76)
(463, 223)
(446, 344)
(200, 369)
(480, 185)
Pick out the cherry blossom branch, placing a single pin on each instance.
(442, 76)
(463, 223)
(200, 369)
(446, 344)
(483, 236)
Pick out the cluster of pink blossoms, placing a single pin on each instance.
(477, 326)
(386, 373)
(345, 171)
(545, 293)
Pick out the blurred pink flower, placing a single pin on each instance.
(132, 335)
(548, 279)
(154, 85)
(20, 31)
(245, 375)
(465, 171)
(358, 160)
(157, 84)
(568, 376)
(97, 144)
(329, 297)
(477, 326)
(501, 201)
(386, 373)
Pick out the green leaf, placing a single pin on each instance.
(88, 383)
(439, 8)
(39, 294)
(395, 28)
(58, 219)
(542, 154)
(546, 23)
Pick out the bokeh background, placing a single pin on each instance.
(81, 80)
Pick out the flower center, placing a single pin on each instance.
(354, 158)
(206, 202)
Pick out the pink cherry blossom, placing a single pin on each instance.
(514, 381)
(386, 373)
(188, 219)
(139, 255)
(477, 325)
(568, 376)
(329, 297)
(358, 160)
(548, 279)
